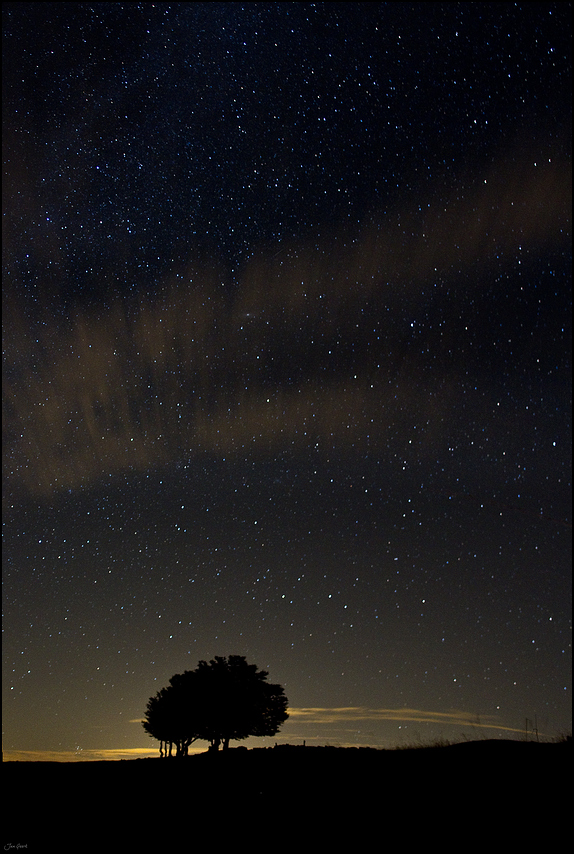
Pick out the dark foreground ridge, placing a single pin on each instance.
(321, 795)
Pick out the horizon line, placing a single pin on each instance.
(297, 715)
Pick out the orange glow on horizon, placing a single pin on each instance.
(297, 716)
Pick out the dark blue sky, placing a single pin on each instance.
(287, 331)
(142, 130)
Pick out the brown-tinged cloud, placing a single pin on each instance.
(316, 345)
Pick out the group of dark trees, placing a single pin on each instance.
(220, 701)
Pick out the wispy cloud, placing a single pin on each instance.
(130, 387)
(355, 714)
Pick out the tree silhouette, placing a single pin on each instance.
(170, 718)
(224, 700)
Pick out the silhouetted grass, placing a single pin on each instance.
(315, 795)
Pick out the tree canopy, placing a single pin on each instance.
(224, 700)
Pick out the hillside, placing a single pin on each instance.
(506, 788)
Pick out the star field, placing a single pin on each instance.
(286, 365)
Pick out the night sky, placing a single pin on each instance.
(286, 366)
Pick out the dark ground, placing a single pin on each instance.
(513, 795)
